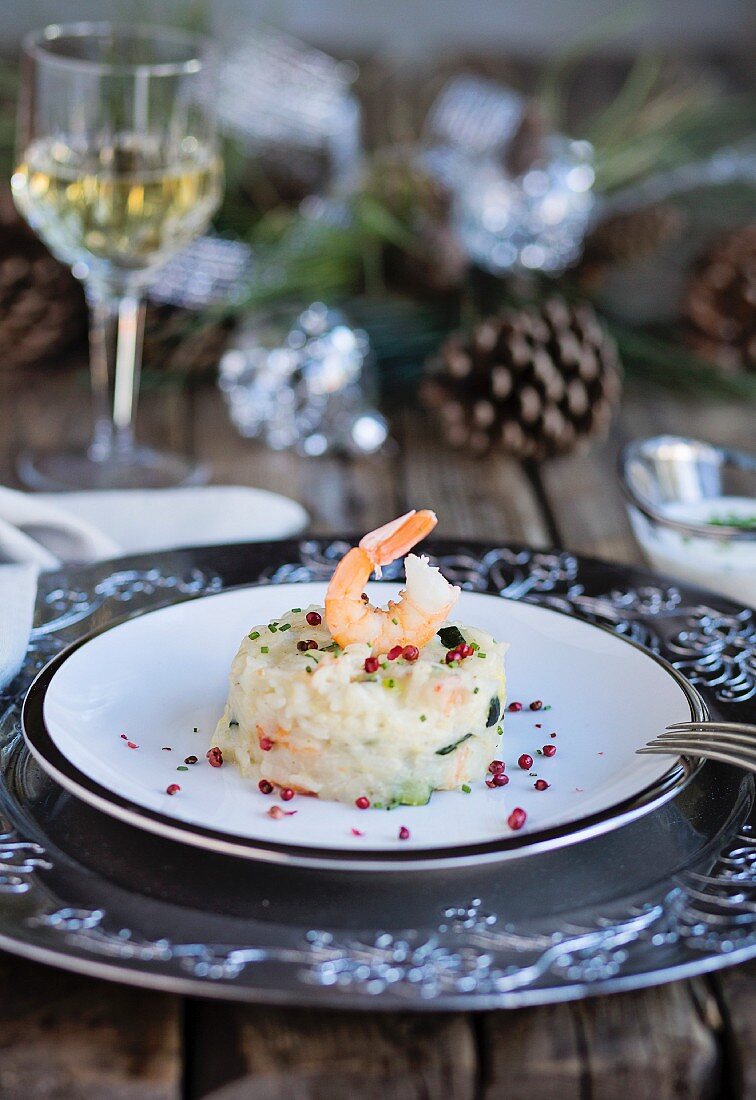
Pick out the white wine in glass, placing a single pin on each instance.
(117, 170)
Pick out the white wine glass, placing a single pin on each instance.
(117, 170)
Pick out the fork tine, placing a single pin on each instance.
(708, 735)
(723, 727)
(723, 757)
(701, 748)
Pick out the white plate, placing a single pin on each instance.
(152, 680)
(141, 520)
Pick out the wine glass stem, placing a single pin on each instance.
(115, 342)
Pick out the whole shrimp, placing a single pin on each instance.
(422, 606)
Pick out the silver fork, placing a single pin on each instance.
(730, 742)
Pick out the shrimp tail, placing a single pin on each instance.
(422, 606)
(395, 539)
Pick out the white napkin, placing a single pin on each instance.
(45, 531)
(18, 591)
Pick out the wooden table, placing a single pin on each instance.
(62, 1036)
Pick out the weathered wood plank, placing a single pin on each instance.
(660, 1043)
(310, 1055)
(736, 994)
(477, 499)
(584, 498)
(533, 1054)
(64, 1037)
(339, 494)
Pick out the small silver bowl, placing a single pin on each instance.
(692, 507)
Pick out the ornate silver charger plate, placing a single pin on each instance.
(82, 890)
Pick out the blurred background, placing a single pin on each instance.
(415, 192)
(419, 31)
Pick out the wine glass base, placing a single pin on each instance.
(137, 468)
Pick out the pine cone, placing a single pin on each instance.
(42, 309)
(533, 382)
(622, 238)
(720, 304)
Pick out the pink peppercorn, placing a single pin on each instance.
(549, 750)
(394, 652)
(496, 766)
(500, 779)
(172, 788)
(265, 787)
(286, 794)
(410, 653)
(131, 745)
(459, 653)
(541, 785)
(517, 818)
(265, 744)
(313, 618)
(214, 757)
(514, 707)
(404, 833)
(372, 664)
(525, 762)
(362, 803)
(536, 704)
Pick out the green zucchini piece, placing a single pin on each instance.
(414, 793)
(450, 748)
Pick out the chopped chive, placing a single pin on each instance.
(295, 610)
(182, 768)
(539, 752)
(483, 655)
(499, 730)
(384, 664)
(395, 622)
(388, 683)
(273, 627)
(195, 730)
(308, 670)
(548, 707)
(476, 691)
(423, 718)
(467, 789)
(264, 649)
(377, 805)
(254, 635)
(286, 626)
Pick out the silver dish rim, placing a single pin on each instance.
(57, 765)
(723, 533)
